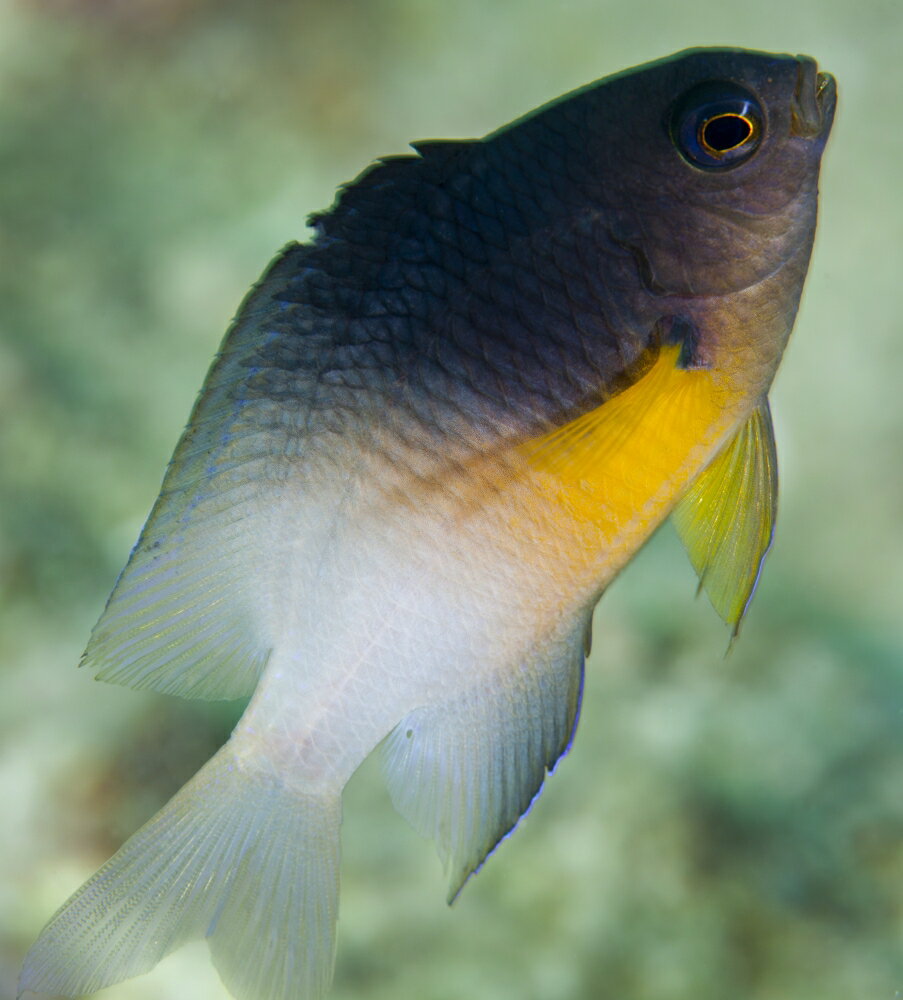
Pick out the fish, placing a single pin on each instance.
(432, 437)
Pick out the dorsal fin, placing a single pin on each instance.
(441, 150)
(184, 617)
(374, 184)
(392, 183)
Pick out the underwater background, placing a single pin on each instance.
(723, 826)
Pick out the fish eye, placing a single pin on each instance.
(716, 125)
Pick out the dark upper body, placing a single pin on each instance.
(517, 280)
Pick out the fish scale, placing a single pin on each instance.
(430, 440)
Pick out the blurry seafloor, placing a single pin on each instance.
(722, 828)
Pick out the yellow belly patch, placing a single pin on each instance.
(619, 468)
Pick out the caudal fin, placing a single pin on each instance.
(235, 857)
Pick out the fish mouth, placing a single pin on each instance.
(813, 102)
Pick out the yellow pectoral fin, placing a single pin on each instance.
(621, 464)
(726, 520)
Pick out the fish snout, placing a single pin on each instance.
(813, 102)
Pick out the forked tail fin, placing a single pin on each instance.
(236, 857)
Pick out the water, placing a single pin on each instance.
(722, 827)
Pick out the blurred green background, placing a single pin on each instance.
(723, 827)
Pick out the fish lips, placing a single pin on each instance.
(814, 101)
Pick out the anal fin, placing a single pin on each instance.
(464, 771)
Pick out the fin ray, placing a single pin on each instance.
(235, 857)
(463, 772)
(182, 617)
(726, 520)
(178, 620)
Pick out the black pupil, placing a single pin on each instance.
(726, 132)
